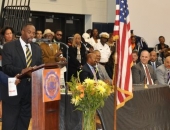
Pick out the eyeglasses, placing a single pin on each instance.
(59, 34)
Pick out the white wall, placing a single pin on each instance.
(150, 19)
(111, 7)
(96, 9)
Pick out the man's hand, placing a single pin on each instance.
(27, 70)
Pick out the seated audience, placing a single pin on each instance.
(88, 69)
(101, 69)
(163, 72)
(103, 48)
(77, 56)
(154, 60)
(161, 47)
(135, 57)
(142, 72)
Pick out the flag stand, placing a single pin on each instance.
(115, 86)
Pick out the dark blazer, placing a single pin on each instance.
(138, 74)
(73, 64)
(157, 63)
(87, 73)
(13, 61)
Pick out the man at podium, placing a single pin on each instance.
(19, 56)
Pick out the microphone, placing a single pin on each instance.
(41, 40)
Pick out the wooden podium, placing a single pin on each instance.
(45, 96)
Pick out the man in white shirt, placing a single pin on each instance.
(103, 47)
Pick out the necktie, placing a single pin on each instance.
(94, 73)
(28, 56)
(168, 78)
(153, 65)
(148, 75)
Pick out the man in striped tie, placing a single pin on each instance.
(19, 56)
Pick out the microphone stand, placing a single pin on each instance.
(66, 87)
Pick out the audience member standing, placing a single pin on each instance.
(39, 36)
(111, 43)
(143, 72)
(94, 37)
(103, 48)
(154, 60)
(77, 56)
(138, 43)
(161, 47)
(7, 36)
(163, 72)
(50, 50)
(58, 40)
(17, 109)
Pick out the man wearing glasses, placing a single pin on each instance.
(58, 40)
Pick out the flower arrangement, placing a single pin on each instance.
(88, 97)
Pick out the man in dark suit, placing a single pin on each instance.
(17, 109)
(153, 60)
(143, 72)
(88, 69)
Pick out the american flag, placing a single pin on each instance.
(124, 53)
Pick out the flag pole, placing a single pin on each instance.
(115, 85)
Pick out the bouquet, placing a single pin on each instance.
(88, 97)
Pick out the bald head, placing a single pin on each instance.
(91, 59)
(167, 62)
(144, 57)
(153, 56)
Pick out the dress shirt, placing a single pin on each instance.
(24, 47)
(149, 74)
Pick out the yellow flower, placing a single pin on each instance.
(101, 89)
(100, 82)
(89, 81)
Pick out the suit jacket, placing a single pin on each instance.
(103, 74)
(87, 73)
(157, 63)
(138, 74)
(13, 62)
(162, 75)
(48, 54)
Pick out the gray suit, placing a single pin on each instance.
(138, 74)
(103, 74)
(162, 75)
